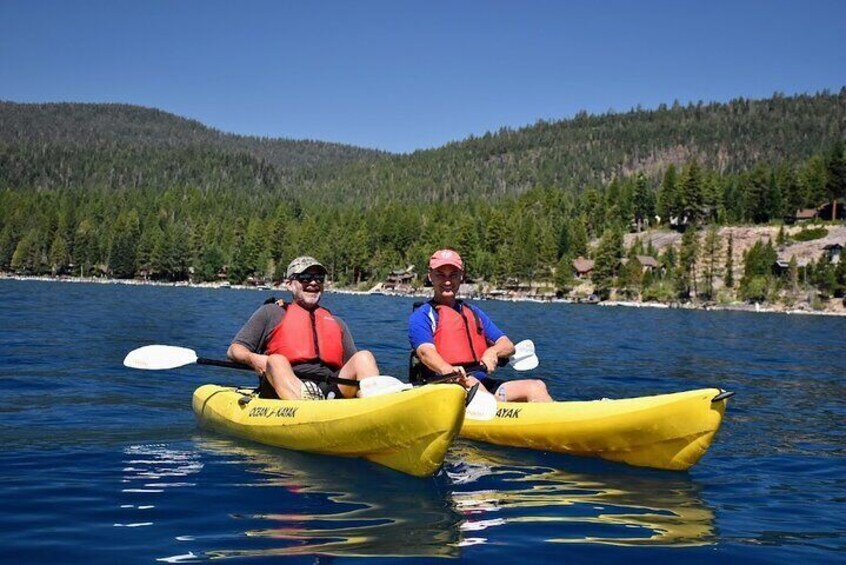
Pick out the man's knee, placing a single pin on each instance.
(364, 356)
(538, 390)
(276, 360)
(362, 361)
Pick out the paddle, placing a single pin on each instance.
(161, 357)
(524, 358)
(479, 407)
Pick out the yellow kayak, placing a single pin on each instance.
(409, 431)
(667, 431)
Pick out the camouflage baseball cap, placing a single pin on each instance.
(301, 264)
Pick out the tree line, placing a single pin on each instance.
(201, 233)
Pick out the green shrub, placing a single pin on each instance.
(658, 293)
(755, 289)
(810, 235)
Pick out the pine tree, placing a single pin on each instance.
(710, 260)
(607, 262)
(836, 182)
(642, 201)
(667, 205)
(729, 277)
(123, 253)
(564, 280)
(26, 258)
(578, 237)
(774, 201)
(8, 243)
(757, 271)
(630, 278)
(59, 255)
(686, 273)
(211, 263)
(691, 192)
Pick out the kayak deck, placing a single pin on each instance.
(667, 431)
(409, 431)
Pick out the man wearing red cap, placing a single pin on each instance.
(448, 336)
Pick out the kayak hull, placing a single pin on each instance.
(667, 431)
(409, 431)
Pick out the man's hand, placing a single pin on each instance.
(258, 363)
(490, 360)
(453, 373)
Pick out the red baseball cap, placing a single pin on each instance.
(443, 257)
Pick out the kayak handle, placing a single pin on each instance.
(724, 394)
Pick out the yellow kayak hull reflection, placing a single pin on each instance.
(408, 431)
(667, 431)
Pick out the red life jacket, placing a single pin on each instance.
(305, 336)
(459, 336)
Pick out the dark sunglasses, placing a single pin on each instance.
(308, 277)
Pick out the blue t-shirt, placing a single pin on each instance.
(424, 320)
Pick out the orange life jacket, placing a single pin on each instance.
(459, 336)
(305, 336)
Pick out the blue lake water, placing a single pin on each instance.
(103, 464)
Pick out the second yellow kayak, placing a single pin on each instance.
(667, 431)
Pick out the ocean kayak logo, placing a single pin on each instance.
(270, 412)
(508, 413)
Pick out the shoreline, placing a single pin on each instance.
(735, 307)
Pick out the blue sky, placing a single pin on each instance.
(405, 75)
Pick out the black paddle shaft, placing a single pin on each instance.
(233, 365)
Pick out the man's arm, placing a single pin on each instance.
(240, 354)
(500, 346)
(249, 341)
(349, 346)
(430, 357)
(502, 349)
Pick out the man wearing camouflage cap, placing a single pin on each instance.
(297, 349)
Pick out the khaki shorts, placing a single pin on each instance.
(307, 371)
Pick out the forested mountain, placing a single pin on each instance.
(109, 131)
(112, 145)
(134, 192)
(592, 150)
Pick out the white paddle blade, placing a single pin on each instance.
(482, 407)
(379, 385)
(158, 357)
(524, 358)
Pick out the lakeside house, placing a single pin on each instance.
(825, 212)
(834, 251)
(806, 215)
(647, 263)
(400, 280)
(782, 265)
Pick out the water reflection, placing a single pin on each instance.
(497, 488)
(487, 495)
(150, 469)
(339, 507)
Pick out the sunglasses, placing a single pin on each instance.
(308, 277)
(453, 276)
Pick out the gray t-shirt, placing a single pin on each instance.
(256, 332)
